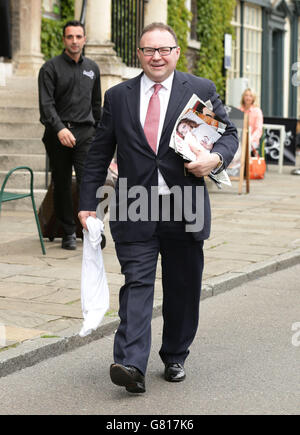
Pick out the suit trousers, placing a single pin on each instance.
(182, 267)
(62, 160)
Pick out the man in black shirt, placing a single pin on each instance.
(70, 108)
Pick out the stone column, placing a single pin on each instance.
(99, 46)
(77, 9)
(156, 11)
(29, 58)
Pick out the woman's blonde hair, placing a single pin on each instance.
(253, 96)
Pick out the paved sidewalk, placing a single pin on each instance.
(40, 309)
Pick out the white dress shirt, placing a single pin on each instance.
(164, 95)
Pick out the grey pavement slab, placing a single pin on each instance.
(252, 235)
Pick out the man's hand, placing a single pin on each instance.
(83, 215)
(204, 164)
(66, 138)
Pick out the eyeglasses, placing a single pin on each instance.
(163, 51)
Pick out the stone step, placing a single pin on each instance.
(19, 114)
(21, 179)
(37, 162)
(22, 91)
(22, 146)
(22, 84)
(25, 203)
(11, 130)
(9, 99)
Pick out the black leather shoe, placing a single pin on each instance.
(174, 372)
(129, 377)
(69, 241)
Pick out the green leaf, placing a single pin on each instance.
(213, 21)
(51, 31)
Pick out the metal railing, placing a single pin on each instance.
(127, 23)
(83, 12)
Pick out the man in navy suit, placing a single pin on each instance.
(150, 176)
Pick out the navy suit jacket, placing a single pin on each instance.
(120, 128)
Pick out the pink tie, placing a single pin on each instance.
(152, 118)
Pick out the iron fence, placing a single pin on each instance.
(127, 24)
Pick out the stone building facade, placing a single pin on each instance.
(27, 58)
(265, 50)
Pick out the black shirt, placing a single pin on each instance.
(69, 92)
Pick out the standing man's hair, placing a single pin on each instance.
(159, 26)
(74, 23)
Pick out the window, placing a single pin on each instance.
(193, 9)
(193, 42)
(252, 47)
(234, 71)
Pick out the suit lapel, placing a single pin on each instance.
(133, 99)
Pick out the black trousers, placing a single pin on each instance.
(182, 266)
(62, 160)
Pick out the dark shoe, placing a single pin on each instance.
(295, 171)
(69, 241)
(128, 377)
(174, 372)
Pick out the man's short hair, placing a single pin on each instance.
(74, 23)
(158, 26)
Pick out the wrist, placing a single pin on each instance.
(217, 160)
(219, 163)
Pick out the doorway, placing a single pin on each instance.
(276, 87)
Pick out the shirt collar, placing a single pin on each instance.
(148, 83)
(69, 59)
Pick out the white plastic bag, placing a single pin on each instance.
(94, 288)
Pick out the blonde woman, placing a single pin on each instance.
(249, 106)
